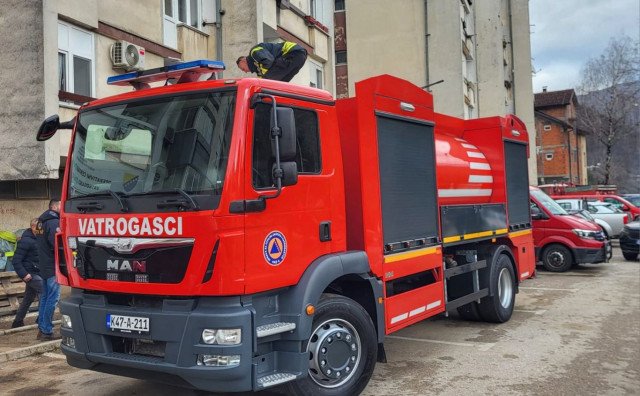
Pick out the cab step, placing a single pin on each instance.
(275, 379)
(274, 328)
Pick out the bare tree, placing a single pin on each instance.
(609, 111)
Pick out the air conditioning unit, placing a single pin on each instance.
(125, 55)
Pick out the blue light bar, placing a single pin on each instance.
(179, 71)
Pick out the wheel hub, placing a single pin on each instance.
(505, 288)
(334, 349)
(556, 258)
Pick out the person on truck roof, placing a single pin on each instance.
(274, 61)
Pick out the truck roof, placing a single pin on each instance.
(242, 83)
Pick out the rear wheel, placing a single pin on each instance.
(499, 307)
(342, 349)
(557, 258)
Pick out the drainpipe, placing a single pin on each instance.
(513, 82)
(219, 13)
(426, 44)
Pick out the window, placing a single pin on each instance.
(341, 57)
(307, 139)
(339, 5)
(614, 202)
(76, 60)
(315, 74)
(320, 13)
(180, 12)
(547, 127)
(548, 156)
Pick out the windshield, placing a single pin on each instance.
(634, 200)
(549, 204)
(154, 145)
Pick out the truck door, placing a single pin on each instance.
(283, 239)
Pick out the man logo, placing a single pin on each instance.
(127, 266)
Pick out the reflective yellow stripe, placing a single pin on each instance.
(451, 239)
(519, 233)
(258, 65)
(501, 231)
(407, 255)
(478, 235)
(287, 47)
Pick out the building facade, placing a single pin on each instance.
(561, 147)
(474, 56)
(66, 52)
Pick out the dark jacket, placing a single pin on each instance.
(25, 259)
(262, 56)
(48, 225)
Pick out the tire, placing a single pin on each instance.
(499, 307)
(631, 256)
(343, 347)
(470, 312)
(557, 258)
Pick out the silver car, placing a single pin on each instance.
(599, 210)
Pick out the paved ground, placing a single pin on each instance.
(576, 333)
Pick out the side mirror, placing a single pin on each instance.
(289, 173)
(48, 128)
(51, 125)
(537, 214)
(287, 140)
(625, 208)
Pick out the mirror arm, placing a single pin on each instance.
(276, 132)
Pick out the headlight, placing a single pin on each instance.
(73, 243)
(586, 234)
(222, 336)
(66, 321)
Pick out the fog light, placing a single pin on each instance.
(66, 321)
(222, 336)
(219, 360)
(69, 341)
(72, 242)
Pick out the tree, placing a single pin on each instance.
(609, 108)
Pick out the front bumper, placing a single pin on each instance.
(176, 327)
(593, 255)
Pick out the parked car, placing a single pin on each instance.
(606, 228)
(616, 201)
(561, 239)
(630, 240)
(633, 198)
(599, 210)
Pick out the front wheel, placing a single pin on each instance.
(557, 258)
(342, 349)
(499, 307)
(630, 255)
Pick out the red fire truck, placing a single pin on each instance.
(233, 235)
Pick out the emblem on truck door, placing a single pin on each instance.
(275, 248)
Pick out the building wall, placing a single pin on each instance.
(22, 87)
(372, 50)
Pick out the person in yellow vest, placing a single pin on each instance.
(274, 61)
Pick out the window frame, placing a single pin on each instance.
(175, 21)
(315, 70)
(70, 53)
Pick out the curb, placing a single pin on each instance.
(25, 328)
(30, 350)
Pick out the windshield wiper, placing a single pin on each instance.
(179, 203)
(98, 205)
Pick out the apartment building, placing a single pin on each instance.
(561, 146)
(474, 56)
(59, 53)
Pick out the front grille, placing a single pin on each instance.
(633, 234)
(155, 265)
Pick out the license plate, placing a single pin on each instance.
(128, 324)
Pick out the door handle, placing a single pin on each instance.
(325, 231)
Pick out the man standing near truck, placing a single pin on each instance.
(25, 263)
(48, 225)
(274, 61)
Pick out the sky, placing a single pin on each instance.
(565, 34)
